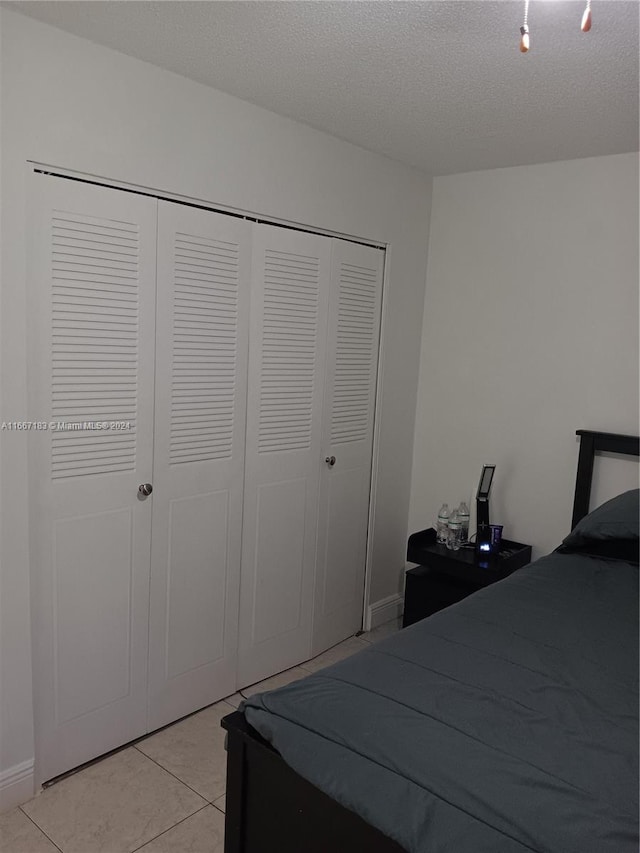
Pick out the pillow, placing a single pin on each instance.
(627, 550)
(615, 521)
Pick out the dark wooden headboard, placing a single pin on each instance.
(590, 444)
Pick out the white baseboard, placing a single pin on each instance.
(16, 785)
(383, 611)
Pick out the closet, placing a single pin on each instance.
(200, 474)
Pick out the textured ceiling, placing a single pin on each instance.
(440, 85)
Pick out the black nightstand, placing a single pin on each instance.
(444, 577)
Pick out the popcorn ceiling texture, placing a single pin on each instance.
(439, 85)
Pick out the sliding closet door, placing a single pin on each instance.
(202, 339)
(347, 436)
(290, 288)
(92, 289)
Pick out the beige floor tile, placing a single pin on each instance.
(234, 700)
(114, 806)
(221, 803)
(193, 750)
(19, 835)
(279, 680)
(337, 653)
(203, 832)
(383, 631)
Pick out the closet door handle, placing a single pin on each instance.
(144, 490)
(331, 461)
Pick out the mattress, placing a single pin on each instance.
(505, 723)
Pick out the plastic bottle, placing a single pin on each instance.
(463, 516)
(442, 529)
(454, 538)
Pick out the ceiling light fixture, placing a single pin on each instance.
(585, 25)
(524, 29)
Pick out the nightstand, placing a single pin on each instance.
(444, 577)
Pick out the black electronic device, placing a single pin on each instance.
(483, 535)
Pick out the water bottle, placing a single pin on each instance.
(454, 538)
(463, 516)
(442, 529)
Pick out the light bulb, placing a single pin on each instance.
(585, 25)
(524, 38)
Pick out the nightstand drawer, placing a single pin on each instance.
(427, 591)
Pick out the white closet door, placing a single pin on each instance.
(92, 290)
(202, 339)
(352, 356)
(290, 287)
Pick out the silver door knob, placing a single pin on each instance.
(145, 489)
(331, 461)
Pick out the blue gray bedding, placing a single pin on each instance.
(506, 723)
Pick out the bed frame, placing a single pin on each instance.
(590, 444)
(271, 809)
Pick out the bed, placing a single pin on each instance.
(505, 723)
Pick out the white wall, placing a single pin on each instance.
(530, 332)
(72, 104)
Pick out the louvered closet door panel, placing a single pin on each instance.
(91, 348)
(202, 339)
(290, 287)
(352, 356)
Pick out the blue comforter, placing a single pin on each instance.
(506, 723)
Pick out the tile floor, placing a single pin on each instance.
(165, 794)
